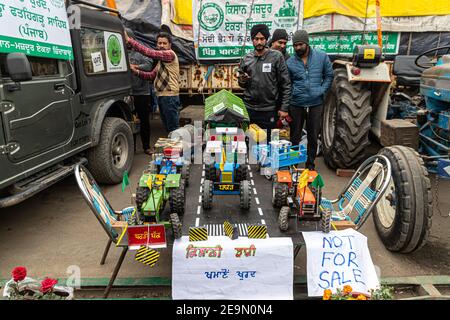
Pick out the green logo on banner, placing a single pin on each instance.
(114, 50)
(210, 17)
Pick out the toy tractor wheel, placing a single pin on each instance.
(177, 198)
(176, 226)
(142, 194)
(241, 173)
(207, 194)
(185, 174)
(403, 215)
(325, 221)
(283, 218)
(245, 195)
(210, 172)
(280, 193)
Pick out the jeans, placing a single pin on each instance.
(313, 118)
(169, 107)
(142, 106)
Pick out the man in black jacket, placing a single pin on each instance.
(264, 76)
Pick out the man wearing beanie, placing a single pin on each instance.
(264, 76)
(311, 75)
(279, 41)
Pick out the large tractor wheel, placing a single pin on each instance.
(346, 122)
(283, 218)
(185, 174)
(241, 173)
(176, 226)
(280, 193)
(177, 198)
(245, 194)
(114, 153)
(403, 216)
(207, 194)
(210, 172)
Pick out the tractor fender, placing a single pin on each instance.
(284, 176)
(110, 108)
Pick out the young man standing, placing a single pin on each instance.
(265, 78)
(166, 78)
(311, 75)
(279, 41)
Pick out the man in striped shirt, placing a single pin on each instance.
(165, 76)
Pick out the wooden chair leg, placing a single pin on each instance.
(116, 271)
(105, 253)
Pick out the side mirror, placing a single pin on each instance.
(18, 66)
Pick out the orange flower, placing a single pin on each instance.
(347, 289)
(361, 297)
(327, 294)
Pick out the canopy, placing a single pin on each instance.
(225, 107)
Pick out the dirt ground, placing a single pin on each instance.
(55, 231)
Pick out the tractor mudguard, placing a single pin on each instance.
(143, 180)
(284, 176)
(173, 180)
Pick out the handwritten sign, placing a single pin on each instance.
(35, 27)
(337, 259)
(152, 235)
(221, 268)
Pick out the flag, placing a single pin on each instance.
(303, 180)
(318, 182)
(125, 181)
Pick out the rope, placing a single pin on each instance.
(365, 22)
(246, 30)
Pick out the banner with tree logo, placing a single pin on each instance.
(222, 27)
(36, 28)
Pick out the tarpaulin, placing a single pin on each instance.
(389, 8)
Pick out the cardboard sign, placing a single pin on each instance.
(151, 235)
(337, 259)
(97, 62)
(221, 268)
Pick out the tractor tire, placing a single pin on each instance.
(142, 194)
(186, 173)
(207, 194)
(177, 199)
(241, 173)
(245, 195)
(346, 122)
(210, 172)
(280, 193)
(403, 216)
(325, 221)
(283, 218)
(114, 153)
(176, 226)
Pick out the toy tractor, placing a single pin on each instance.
(230, 175)
(278, 155)
(302, 198)
(152, 195)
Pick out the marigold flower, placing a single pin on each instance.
(327, 294)
(361, 297)
(347, 289)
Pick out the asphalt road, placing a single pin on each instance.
(55, 233)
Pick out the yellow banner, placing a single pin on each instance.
(183, 12)
(389, 8)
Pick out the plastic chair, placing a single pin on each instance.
(113, 222)
(362, 192)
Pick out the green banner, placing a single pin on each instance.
(34, 48)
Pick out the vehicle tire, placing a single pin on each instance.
(245, 194)
(283, 218)
(142, 194)
(176, 226)
(346, 122)
(280, 193)
(403, 216)
(186, 173)
(325, 221)
(114, 153)
(207, 194)
(210, 172)
(177, 198)
(241, 173)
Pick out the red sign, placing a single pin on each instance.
(151, 235)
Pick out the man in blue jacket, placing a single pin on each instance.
(311, 76)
